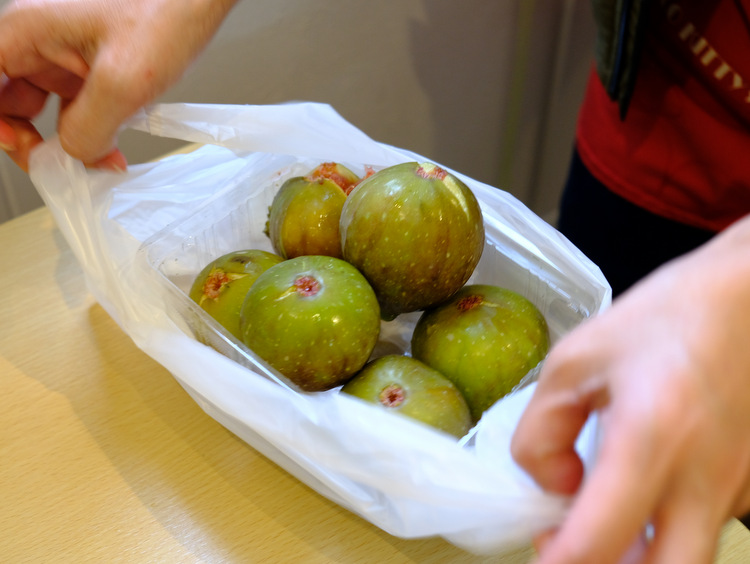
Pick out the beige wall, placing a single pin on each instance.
(469, 84)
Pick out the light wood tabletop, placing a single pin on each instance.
(105, 458)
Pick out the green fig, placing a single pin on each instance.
(221, 286)
(304, 215)
(485, 339)
(404, 385)
(315, 319)
(416, 232)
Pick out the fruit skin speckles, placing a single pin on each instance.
(406, 386)
(315, 319)
(427, 241)
(485, 339)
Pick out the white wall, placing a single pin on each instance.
(489, 88)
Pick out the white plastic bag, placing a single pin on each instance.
(403, 477)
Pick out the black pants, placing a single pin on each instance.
(624, 240)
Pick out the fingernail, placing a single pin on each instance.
(8, 141)
(107, 166)
(114, 167)
(114, 162)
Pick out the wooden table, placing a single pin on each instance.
(104, 457)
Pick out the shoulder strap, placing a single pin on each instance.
(620, 34)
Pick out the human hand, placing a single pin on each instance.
(668, 368)
(105, 59)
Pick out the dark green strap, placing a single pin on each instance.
(620, 34)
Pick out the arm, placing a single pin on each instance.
(668, 366)
(104, 58)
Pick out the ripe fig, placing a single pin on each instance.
(304, 215)
(404, 385)
(485, 339)
(315, 319)
(221, 286)
(416, 232)
(336, 172)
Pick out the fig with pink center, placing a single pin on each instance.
(416, 232)
(485, 339)
(315, 319)
(304, 216)
(406, 386)
(221, 286)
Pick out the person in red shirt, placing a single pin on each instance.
(663, 179)
(667, 366)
